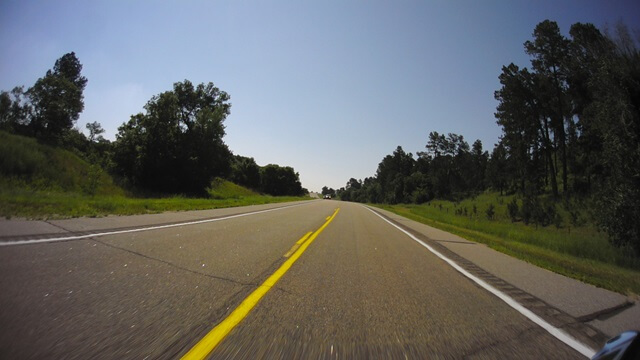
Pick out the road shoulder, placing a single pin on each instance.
(22, 229)
(592, 312)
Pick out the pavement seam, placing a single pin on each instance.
(606, 313)
(558, 318)
(57, 226)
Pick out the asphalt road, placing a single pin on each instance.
(361, 289)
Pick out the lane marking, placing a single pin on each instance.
(205, 346)
(78, 237)
(297, 244)
(556, 332)
(306, 236)
(293, 248)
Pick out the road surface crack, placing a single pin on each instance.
(173, 265)
(58, 226)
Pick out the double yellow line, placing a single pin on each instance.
(206, 345)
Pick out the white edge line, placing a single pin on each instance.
(557, 333)
(67, 238)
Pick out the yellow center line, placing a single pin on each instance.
(304, 238)
(297, 244)
(206, 345)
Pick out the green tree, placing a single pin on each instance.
(95, 131)
(417, 188)
(580, 103)
(449, 165)
(589, 52)
(57, 99)
(526, 129)
(15, 110)
(550, 50)
(476, 172)
(615, 114)
(280, 181)
(328, 191)
(392, 171)
(245, 171)
(176, 146)
(498, 171)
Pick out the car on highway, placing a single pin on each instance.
(328, 197)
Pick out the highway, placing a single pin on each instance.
(348, 284)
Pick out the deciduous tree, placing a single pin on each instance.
(176, 146)
(57, 99)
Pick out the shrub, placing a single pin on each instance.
(558, 221)
(491, 212)
(513, 210)
(92, 176)
(421, 196)
(548, 213)
(576, 218)
(527, 211)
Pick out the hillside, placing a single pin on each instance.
(28, 165)
(224, 189)
(39, 181)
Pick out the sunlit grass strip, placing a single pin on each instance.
(55, 205)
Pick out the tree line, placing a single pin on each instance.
(570, 130)
(175, 146)
(448, 169)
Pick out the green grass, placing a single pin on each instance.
(580, 252)
(39, 181)
(24, 163)
(55, 205)
(222, 189)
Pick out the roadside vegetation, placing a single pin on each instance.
(561, 188)
(571, 246)
(39, 181)
(171, 157)
(42, 204)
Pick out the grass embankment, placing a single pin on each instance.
(38, 181)
(35, 204)
(580, 252)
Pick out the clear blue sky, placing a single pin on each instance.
(328, 87)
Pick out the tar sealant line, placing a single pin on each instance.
(147, 228)
(556, 332)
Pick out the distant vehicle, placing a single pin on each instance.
(328, 197)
